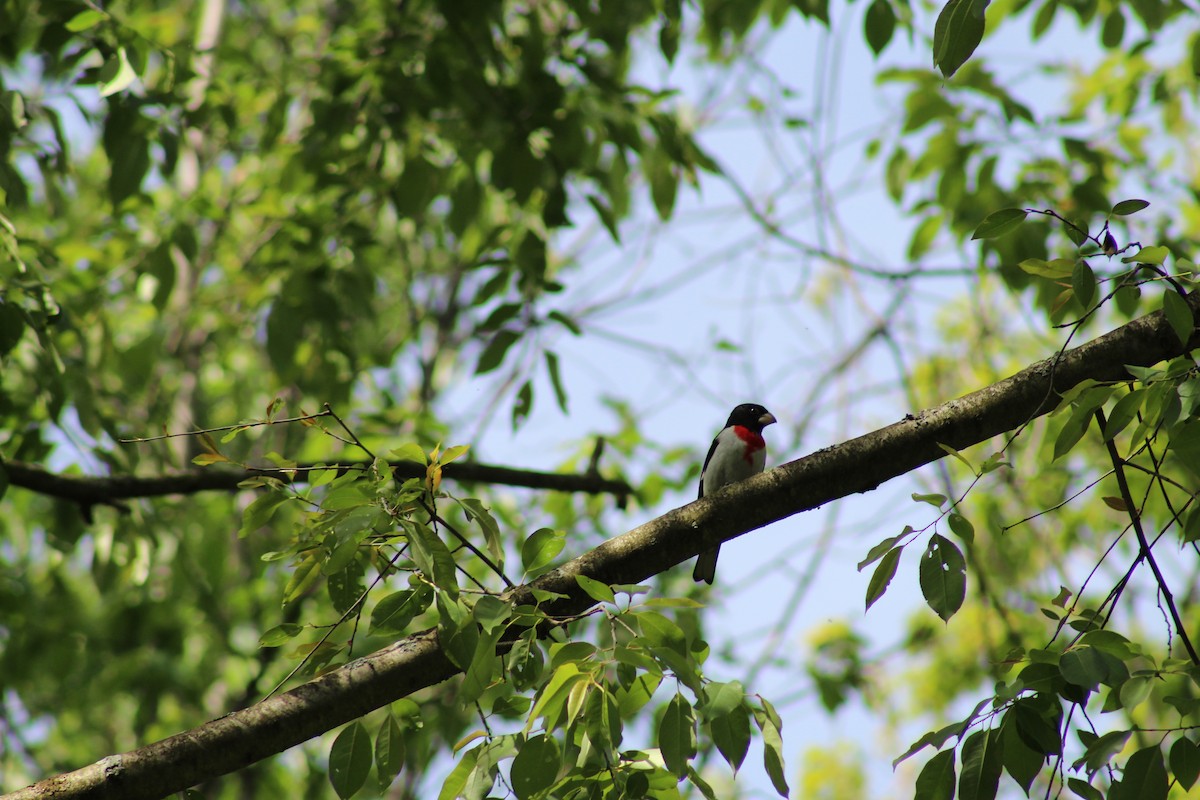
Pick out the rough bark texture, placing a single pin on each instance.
(859, 465)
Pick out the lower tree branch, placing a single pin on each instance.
(859, 465)
(108, 490)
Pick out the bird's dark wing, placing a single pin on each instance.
(711, 449)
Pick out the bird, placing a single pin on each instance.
(738, 452)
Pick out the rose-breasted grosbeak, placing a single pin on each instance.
(738, 452)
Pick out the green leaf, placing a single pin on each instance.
(1057, 269)
(677, 735)
(116, 74)
(1127, 207)
(1134, 691)
(1102, 749)
(303, 576)
(409, 451)
(280, 635)
(389, 752)
(1084, 789)
(1185, 761)
(542, 546)
(259, 512)
(454, 453)
(943, 577)
(923, 237)
(350, 760)
(1123, 413)
(493, 355)
(879, 24)
(1072, 431)
(722, 698)
(883, 575)
(1112, 33)
(525, 663)
(433, 558)
(1022, 762)
(1035, 730)
(660, 172)
(394, 612)
(12, 327)
(1155, 254)
(560, 394)
(84, 20)
(768, 724)
(952, 452)
(1179, 315)
(522, 404)
(456, 781)
(999, 222)
(491, 612)
(730, 730)
(567, 322)
(554, 694)
(961, 526)
(935, 500)
(1185, 443)
(478, 674)
(981, 766)
(478, 512)
(634, 697)
(1083, 666)
(578, 652)
(659, 631)
(1144, 777)
(956, 34)
(936, 780)
(596, 590)
(602, 723)
(878, 551)
(1083, 283)
(536, 766)
(606, 215)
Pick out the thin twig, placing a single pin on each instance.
(436, 518)
(353, 436)
(241, 426)
(1135, 518)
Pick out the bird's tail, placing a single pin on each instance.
(706, 566)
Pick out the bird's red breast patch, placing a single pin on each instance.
(754, 441)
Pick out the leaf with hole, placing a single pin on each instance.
(943, 577)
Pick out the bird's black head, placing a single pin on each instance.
(750, 415)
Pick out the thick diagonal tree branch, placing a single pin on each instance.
(859, 465)
(107, 490)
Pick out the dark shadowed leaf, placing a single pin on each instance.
(936, 781)
(350, 760)
(956, 34)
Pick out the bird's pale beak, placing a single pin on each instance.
(767, 419)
